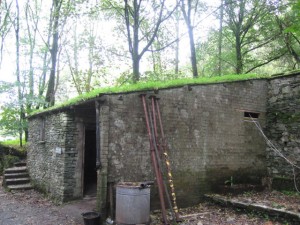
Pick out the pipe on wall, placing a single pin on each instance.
(98, 160)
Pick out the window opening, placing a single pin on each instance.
(253, 115)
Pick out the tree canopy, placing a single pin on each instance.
(58, 49)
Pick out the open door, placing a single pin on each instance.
(90, 173)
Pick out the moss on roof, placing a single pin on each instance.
(148, 86)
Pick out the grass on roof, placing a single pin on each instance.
(152, 85)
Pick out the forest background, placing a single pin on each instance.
(51, 51)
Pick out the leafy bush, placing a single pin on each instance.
(9, 155)
(7, 161)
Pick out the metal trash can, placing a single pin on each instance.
(91, 218)
(132, 203)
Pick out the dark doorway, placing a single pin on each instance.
(90, 174)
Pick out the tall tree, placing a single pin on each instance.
(142, 21)
(16, 24)
(56, 13)
(85, 51)
(189, 8)
(250, 22)
(5, 24)
(220, 41)
(287, 18)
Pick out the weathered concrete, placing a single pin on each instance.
(210, 139)
(208, 136)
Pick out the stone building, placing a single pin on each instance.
(96, 143)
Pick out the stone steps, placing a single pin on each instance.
(16, 175)
(20, 164)
(19, 187)
(17, 178)
(21, 169)
(16, 181)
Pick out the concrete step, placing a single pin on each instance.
(16, 181)
(18, 187)
(20, 164)
(16, 175)
(21, 169)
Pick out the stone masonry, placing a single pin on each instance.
(210, 137)
(51, 156)
(283, 126)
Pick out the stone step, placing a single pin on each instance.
(21, 169)
(18, 187)
(15, 181)
(16, 175)
(20, 164)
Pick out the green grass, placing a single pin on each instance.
(11, 142)
(144, 86)
(14, 144)
(291, 193)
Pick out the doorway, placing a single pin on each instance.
(90, 173)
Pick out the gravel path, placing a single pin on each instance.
(32, 208)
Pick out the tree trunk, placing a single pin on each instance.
(91, 64)
(50, 96)
(220, 41)
(239, 60)
(177, 44)
(193, 52)
(136, 69)
(20, 94)
(188, 21)
(42, 80)
(135, 50)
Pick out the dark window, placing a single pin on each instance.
(253, 115)
(42, 129)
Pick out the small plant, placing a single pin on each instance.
(230, 181)
(290, 193)
(277, 206)
(248, 193)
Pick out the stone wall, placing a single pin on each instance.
(283, 125)
(51, 154)
(209, 138)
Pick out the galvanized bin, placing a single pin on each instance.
(132, 203)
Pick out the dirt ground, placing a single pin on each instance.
(32, 208)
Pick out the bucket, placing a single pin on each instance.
(132, 203)
(91, 218)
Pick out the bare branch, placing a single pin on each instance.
(266, 62)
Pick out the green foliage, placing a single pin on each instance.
(145, 86)
(5, 86)
(291, 193)
(7, 161)
(10, 121)
(286, 117)
(13, 143)
(10, 153)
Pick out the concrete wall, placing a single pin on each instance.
(283, 128)
(209, 139)
(208, 136)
